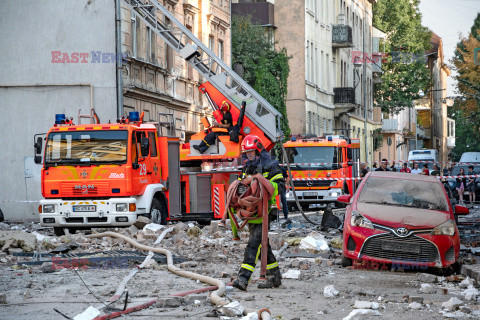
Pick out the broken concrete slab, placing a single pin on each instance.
(359, 304)
(26, 241)
(359, 314)
(170, 302)
(291, 274)
(233, 309)
(427, 278)
(141, 222)
(471, 293)
(330, 291)
(415, 306)
(427, 288)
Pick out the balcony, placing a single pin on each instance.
(261, 12)
(342, 36)
(390, 125)
(344, 95)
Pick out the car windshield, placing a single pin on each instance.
(312, 158)
(405, 193)
(86, 147)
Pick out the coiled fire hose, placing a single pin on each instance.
(215, 296)
(284, 152)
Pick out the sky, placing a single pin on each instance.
(448, 18)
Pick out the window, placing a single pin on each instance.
(322, 76)
(134, 35)
(308, 61)
(211, 43)
(220, 49)
(153, 144)
(327, 69)
(312, 63)
(138, 36)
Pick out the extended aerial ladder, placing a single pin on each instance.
(222, 83)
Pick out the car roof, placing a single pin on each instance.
(402, 175)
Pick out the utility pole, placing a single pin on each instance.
(364, 84)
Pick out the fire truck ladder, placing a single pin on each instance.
(211, 67)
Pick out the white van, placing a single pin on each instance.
(470, 157)
(428, 155)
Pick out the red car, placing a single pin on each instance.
(400, 219)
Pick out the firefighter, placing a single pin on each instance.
(259, 161)
(211, 137)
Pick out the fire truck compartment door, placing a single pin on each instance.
(200, 194)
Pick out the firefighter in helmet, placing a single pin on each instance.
(258, 160)
(225, 123)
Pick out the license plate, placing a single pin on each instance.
(309, 194)
(84, 208)
(400, 246)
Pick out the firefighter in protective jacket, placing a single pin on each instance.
(225, 123)
(259, 161)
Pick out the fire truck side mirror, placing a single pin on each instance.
(38, 145)
(145, 146)
(349, 154)
(37, 159)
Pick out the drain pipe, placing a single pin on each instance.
(215, 296)
(119, 65)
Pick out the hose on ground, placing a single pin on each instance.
(215, 296)
(293, 187)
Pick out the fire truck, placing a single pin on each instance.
(321, 168)
(108, 174)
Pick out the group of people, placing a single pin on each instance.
(466, 184)
(405, 169)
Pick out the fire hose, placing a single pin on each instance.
(215, 296)
(250, 205)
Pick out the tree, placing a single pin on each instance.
(466, 110)
(405, 70)
(264, 68)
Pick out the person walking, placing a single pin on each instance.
(471, 185)
(416, 169)
(405, 168)
(259, 161)
(383, 165)
(461, 182)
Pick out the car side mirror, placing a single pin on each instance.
(344, 198)
(145, 146)
(461, 210)
(38, 145)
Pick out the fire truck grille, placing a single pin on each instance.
(313, 183)
(411, 249)
(72, 189)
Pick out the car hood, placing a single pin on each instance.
(402, 216)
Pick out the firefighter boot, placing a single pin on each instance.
(274, 279)
(243, 277)
(240, 284)
(201, 147)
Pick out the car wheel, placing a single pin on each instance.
(158, 213)
(346, 262)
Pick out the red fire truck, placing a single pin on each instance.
(108, 174)
(321, 168)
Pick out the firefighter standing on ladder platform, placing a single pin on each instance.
(211, 137)
(259, 161)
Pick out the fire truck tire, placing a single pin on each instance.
(158, 213)
(59, 231)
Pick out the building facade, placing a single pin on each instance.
(70, 68)
(160, 83)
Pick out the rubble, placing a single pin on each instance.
(359, 304)
(291, 274)
(471, 293)
(415, 306)
(452, 304)
(141, 222)
(314, 243)
(233, 309)
(17, 239)
(426, 277)
(427, 288)
(330, 291)
(359, 314)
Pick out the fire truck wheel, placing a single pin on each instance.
(59, 231)
(157, 212)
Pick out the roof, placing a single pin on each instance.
(401, 175)
(436, 42)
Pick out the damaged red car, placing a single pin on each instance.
(400, 219)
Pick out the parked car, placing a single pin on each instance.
(470, 157)
(395, 218)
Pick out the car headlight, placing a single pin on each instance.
(48, 208)
(333, 183)
(447, 228)
(360, 221)
(122, 207)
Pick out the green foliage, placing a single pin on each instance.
(406, 38)
(466, 111)
(265, 69)
(377, 139)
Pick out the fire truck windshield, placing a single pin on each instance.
(313, 158)
(83, 147)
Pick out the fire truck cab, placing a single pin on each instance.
(320, 168)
